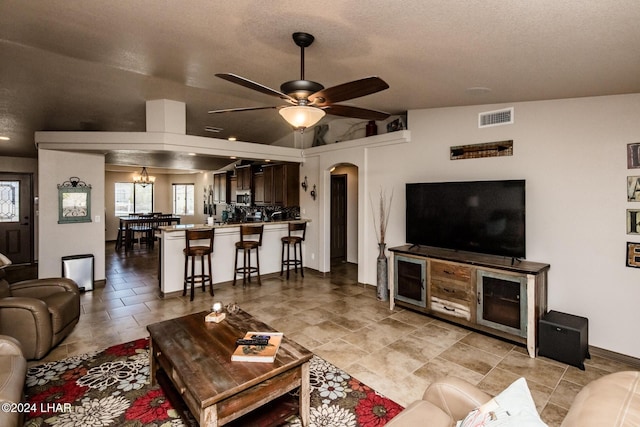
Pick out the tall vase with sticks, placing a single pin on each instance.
(380, 227)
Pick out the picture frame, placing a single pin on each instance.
(633, 155)
(633, 221)
(633, 188)
(74, 201)
(633, 254)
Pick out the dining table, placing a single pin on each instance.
(136, 222)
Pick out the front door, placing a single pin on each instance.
(16, 216)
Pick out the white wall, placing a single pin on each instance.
(572, 154)
(58, 240)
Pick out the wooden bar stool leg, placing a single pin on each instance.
(289, 257)
(193, 277)
(202, 276)
(184, 285)
(235, 268)
(210, 275)
(301, 265)
(258, 266)
(247, 264)
(282, 260)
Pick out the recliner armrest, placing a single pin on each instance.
(40, 288)
(9, 346)
(28, 320)
(455, 396)
(421, 413)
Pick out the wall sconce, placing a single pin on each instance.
(305, 184)
(313, 192)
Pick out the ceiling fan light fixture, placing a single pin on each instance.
(301, 116)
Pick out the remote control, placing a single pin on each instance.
(252, 342)
(260, 337)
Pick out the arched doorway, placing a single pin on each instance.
(344, 214)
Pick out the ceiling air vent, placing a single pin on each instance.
(495, 118)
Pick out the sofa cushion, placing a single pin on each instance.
(612, 400)
(5, 289)
(64, 309)
(514, 406)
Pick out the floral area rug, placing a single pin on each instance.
(112, 388)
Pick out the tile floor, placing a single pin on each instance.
(399, 353)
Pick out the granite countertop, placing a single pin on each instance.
(182, 227)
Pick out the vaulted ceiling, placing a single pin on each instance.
(91, 65)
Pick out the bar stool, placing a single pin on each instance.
(191, 251)
(246, 246)
(294, 240)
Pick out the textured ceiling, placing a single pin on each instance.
(91, 65)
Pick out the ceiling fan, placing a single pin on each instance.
(309, 100)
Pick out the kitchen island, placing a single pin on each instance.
(226, 235)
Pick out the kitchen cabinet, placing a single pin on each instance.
(233, 186)
(267, 172)
(221, 188)
(258, 188)
(243, 174)
(280, 185)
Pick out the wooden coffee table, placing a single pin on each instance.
(196, 356)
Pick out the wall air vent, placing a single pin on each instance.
(495, 118)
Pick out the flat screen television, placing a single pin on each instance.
(478, 216)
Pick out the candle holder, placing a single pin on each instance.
(216, 316)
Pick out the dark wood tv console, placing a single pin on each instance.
(502, 296)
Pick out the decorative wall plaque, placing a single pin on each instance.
(74, 201)
(488, 149)
(633, 254)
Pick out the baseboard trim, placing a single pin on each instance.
(617, 357)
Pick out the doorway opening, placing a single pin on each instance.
(344, 215)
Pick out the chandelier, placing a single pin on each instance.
(143, 178)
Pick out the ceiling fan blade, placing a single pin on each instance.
(231, 110)
(346, 91)
(355, 112)
(233, 78)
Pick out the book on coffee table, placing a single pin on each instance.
(258, 353)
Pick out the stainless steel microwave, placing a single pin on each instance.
(243, 198)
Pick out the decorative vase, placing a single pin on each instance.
(371, 128)
(383, 276)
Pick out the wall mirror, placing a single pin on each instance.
(74, 201)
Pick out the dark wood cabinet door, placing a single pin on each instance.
(220, 188)
(233, 187)
(267, 172)
(278, 185)
(292, 185)
(244, 178)
(258, 188)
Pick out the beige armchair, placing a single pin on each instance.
(38, 313)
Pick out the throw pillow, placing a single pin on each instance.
(4, 261)
(512, 407)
